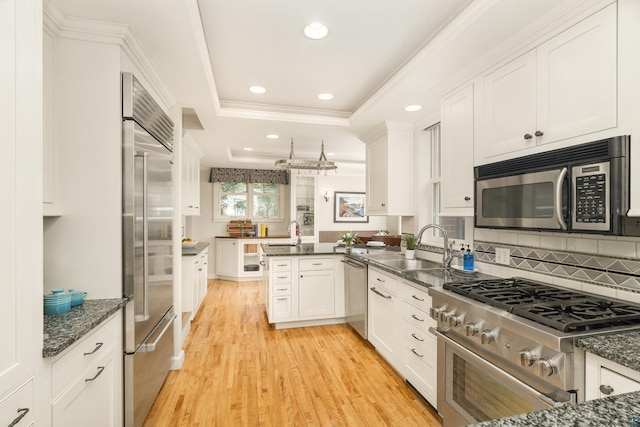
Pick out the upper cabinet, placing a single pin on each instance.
(390, 160)
(564, 88)
(457, 153)
(50, 194)
(303, 206)
(191, 155)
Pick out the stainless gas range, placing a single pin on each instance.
(506, 346)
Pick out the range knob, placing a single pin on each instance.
(455, 321)
(471, 329)
(527, 357)
(487, 337)
(445, 315)
(545, 368)
(434, 312)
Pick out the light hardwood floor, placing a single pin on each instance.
(240, 371)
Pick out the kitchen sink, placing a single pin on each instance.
(404, 264)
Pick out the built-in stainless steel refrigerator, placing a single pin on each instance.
(147, 223)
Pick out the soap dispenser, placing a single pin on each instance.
(460, 256)
(468, 260)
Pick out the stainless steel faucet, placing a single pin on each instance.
(447, 255)
(299, 241)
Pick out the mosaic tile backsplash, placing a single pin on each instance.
(613, 272)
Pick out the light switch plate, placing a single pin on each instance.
(503, 256)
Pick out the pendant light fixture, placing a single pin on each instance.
(322, 164)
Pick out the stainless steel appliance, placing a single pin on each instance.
(147, 221)
(582, 189)
(355, 287)
(506, 346)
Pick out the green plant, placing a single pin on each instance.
(350, 238)
(410, 241)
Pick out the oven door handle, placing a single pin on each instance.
(546, 399)
(558, 203)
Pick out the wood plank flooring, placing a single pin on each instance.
(240, 371)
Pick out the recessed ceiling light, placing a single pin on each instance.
(273, 136)
(248, 149)
(325, 96)
(414, 107)
(316, 31)
(257, 89)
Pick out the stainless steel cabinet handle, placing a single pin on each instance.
(282, 289)
(281, 277)
(413, 350)
(282, 299)
(380, 280)
(606, 389)
(414, 336)
(22, 413)
(98, 345)
(417, 318)
(380, 293)
(282, 265)
(418, 298)
(316, 263)
(100, 370)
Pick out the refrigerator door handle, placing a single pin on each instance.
(152, 346)
(145, 245)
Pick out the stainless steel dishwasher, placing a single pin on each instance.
(355, 288)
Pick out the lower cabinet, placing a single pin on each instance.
(239, 259)
(606, 378)
(16, 409)
(86, 380)
(304, 290)
(194, 281)
(399, 330)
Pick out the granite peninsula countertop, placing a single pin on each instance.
(62, 330)
(621, 348)
(199, 247)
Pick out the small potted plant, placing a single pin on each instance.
(349, 240)
(410, 242)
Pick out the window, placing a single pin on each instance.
(455, 226)
(248, 200)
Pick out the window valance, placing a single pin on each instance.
(263, 176)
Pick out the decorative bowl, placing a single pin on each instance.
(189, 245)
(77, 297)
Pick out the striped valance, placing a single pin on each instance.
(263, 176)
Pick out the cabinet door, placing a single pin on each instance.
(510, 106)
(606, 378)
(21, 177)
(227, 257)
(92, 399)
(376, 173)
(382, 322)
(577, 79)
(457, 139)
(316, 293)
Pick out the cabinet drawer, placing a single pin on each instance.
(417, 297)
(415, 336)
(619, 383)
(281, 307)
(421, 371)
(282, 265)
(83, 354)
(380, 280)
(316, 264)
(20, 399)
(417, 317)
(281, 277)
(280, 290)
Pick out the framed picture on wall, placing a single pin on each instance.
(349, 207)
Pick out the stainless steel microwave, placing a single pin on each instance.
(579, 189)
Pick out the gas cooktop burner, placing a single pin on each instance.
(561, 309)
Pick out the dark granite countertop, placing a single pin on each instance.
(620, 347)
(199, 247)
(275, 236)
(609, 411)
(304, 249)
(62, 330)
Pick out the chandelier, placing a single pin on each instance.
(322, 164)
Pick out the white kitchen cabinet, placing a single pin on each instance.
(194, 281)
(191, 155)
(457, 153)
(316, 288)
(239, 259)
(419, 347)
(389, 171)
(383, 321)
(21, 214)
(554, 92)
(86, 379)
(227, 257)
(304, 290)
(304, 202)
(606, 378)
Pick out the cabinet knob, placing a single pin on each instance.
(528, 136)
(539, 133)
(606, 389)
(467, 198)
(383, 204)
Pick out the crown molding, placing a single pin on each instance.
(245, 111)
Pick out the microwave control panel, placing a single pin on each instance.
(591, 197)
